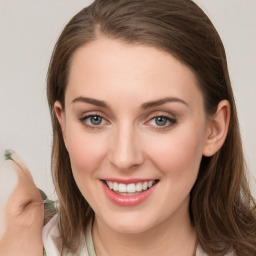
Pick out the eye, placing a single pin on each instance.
(93, 121)
(162, 121)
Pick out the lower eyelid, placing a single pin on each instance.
(92, 126)
(172, 121)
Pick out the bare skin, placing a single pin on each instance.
(23, 216)
(120, 146)
(115, 93)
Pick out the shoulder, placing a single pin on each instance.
(52, 242)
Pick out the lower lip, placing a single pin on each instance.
(133, 200)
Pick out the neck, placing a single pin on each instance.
(175, 236)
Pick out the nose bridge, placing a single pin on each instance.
(125, 151)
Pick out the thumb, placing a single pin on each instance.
(25, 193)
(23, 213)
(24, 204)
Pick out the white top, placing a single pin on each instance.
(52, 243)
(52, 246)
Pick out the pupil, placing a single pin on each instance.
(161, 121)
(96, 120)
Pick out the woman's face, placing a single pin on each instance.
(134, 118)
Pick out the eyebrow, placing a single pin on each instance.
(92, 101)
(159, 102)
(146, 105)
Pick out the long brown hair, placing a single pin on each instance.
(221, 206)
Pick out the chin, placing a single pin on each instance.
(131, 228)
(130, 224)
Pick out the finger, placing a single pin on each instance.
(25, 192)
(23, 209)
(21, 169)
(8, 182)
(25, 179)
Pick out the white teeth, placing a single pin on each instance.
(130, 188)
(138, 187)
(122, 188)
(115, 186)
(110, 184)
(145, 186)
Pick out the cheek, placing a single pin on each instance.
(86, 150)
(178, 154)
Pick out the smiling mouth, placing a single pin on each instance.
(131, 188)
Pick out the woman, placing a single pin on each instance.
(147, 156)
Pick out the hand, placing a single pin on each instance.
(22, 214)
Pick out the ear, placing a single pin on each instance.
(217, 129)
(59, 111)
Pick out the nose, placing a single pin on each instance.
(126, 151)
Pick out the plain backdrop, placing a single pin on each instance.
(28, 32)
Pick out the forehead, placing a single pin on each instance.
(105, 67)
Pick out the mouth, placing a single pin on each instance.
(130, 189)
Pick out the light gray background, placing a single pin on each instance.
(28, 32)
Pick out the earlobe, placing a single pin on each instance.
(217, 129)
(59, 112)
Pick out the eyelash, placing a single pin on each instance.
(91, 126)
(172, 122)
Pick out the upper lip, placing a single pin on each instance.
(127, 181)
